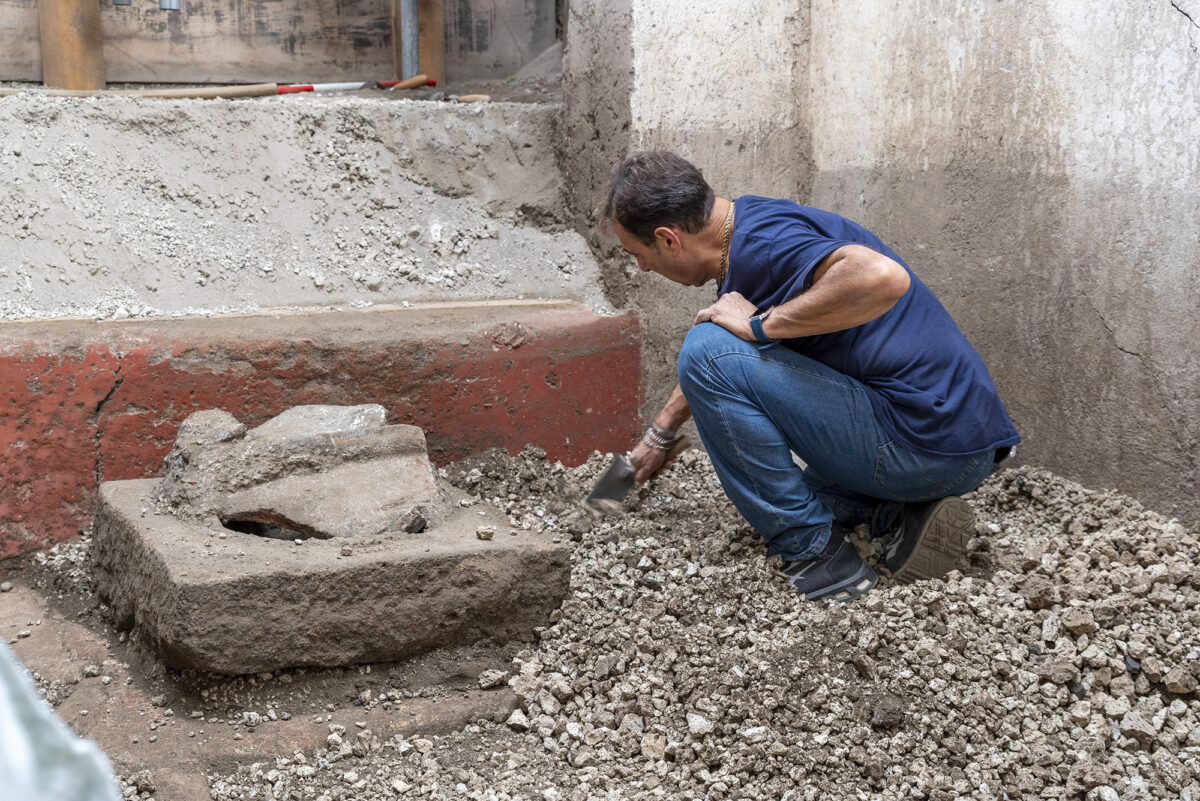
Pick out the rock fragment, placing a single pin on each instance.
(1135, 726)
(1179, 681)
(1078, 620)
(517, 721)
(492, 678)
(1172, 772)
(888, 712)
(1038, 592)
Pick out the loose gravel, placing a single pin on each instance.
(1061, 663)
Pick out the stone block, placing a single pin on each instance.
(215, 599)
(316, 471)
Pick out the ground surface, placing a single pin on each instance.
(1061, 665)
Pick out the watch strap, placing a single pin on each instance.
(756, 327)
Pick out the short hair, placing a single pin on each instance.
(654, 188)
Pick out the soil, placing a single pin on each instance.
(120, 207)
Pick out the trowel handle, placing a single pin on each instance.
(680, 445)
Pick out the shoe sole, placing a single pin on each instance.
(941, 543)
(848, 590)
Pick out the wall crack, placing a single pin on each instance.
(1168, 398)
(1112, 334)
(118, 380)
(1190, 19)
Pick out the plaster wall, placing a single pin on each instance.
(715, 86)
(1036, 164)
(496, 38)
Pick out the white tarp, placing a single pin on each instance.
(40, 758)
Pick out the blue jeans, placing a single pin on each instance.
(755, 405)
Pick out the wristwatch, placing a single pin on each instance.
(756, 326)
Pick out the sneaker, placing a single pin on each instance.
(837, 572)
(928, 540)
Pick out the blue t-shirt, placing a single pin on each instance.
(926, 383)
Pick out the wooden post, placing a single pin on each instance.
(433, 39)
(72, 44)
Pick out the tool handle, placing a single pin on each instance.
(410, 83)
(680, 445)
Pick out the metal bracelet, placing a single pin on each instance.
(666, 434)
(658, 439)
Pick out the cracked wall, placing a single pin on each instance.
(1046, 183)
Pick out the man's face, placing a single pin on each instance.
(663, 258)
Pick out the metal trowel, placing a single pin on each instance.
(618, 480)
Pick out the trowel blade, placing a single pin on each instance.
(611, 489)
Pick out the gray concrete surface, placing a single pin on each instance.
(497, 38)
(1046, 183)
(1036, 163)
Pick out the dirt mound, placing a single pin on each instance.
(119, 207)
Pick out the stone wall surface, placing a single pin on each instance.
(716, 84)
(1034, 162)
(1046, 183)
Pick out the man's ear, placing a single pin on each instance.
(667, 238)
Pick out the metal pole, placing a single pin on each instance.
(410, 63)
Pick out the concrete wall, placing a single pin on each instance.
(496, 38)
(1036, 163)
(717, 87)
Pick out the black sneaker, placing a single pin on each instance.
(928, 540)
(837, 572)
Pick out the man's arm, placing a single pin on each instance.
(648, 460)
(851, 286)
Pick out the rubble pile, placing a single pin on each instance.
(1062, 663)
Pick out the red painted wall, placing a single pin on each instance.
(85, 402)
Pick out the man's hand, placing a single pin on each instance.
(732, 312)
(647, 461)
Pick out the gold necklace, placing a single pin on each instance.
(725, 249)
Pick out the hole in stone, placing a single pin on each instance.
(271, 527)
